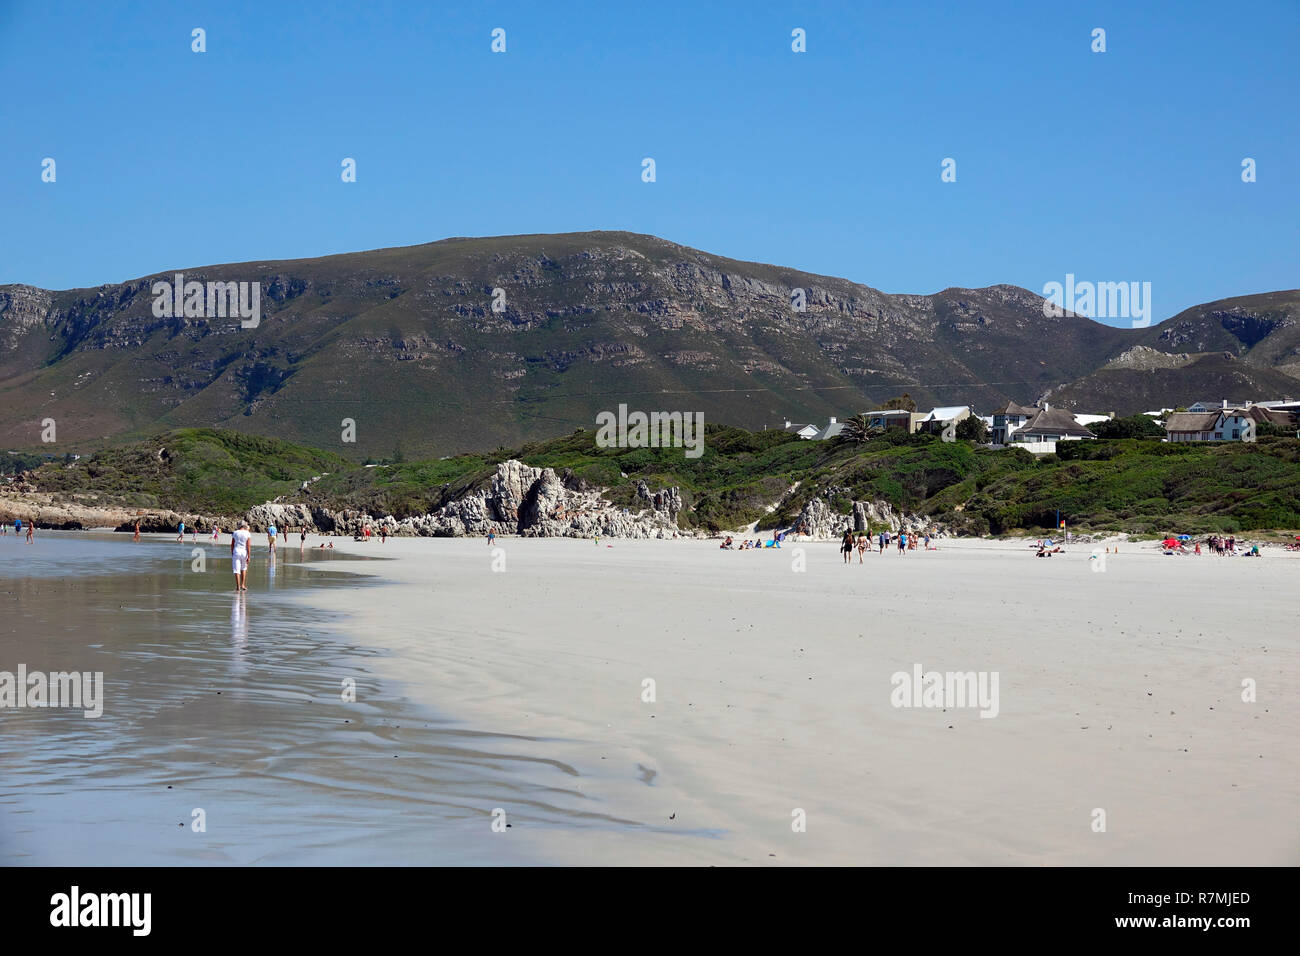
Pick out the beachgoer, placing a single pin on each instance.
(863, 543)
(902, 542)
(216, 533)
(31, 531)
(383, 534)
(180, 531)
(846, 545)
(492, 536)
(302, 537)
(18, 527)
(241, 554)
(270, 536)
(137, 531)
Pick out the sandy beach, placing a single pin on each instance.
(1119, 691)
(508, 684)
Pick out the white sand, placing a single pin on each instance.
(1118, 690)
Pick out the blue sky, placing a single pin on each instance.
(1115, 166)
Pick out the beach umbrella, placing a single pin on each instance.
(1184, 537)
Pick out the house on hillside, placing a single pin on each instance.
(803, 431)
(1008, 419)
(1216, 406)
(935, 420)
(1046, 427)
(893, 418)
(830, 431)
(1224, 424)
(1192, 426)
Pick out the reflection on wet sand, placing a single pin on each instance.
(245, 722)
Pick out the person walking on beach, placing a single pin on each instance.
(18, 527)
(241, 553)
(383, 534)
(270, 538)
(31, 531)
(492, 536)
(846, 546)
(180, 531)
(216, 533)
(902, 542)
(302, 537)
(137, 530)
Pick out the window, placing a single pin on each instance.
(1236, 433)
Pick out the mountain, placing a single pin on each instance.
(1237, 349)
(405, 343)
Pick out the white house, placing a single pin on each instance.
(1047, 427)
(1008, 419)
(938, 417)
(831, 430)
(1225, 424)
(803, 431)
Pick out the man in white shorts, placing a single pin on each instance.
(241, 553)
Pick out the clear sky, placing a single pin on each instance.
(1115, 166)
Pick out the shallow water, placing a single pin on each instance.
(232, 705)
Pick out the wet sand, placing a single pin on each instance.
(521, 688)
(231, 705)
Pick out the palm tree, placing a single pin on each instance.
(857, 429)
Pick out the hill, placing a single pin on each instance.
(405, 342)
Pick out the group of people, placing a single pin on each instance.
(1220, 545)
(18, 530)
(746, 545)
(903, 540)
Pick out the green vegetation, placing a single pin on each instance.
(193, 469)
(1135, 426)
(1131, 484)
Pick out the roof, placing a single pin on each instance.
(830, 431)
(1191, 421)
(1011, 408)
(1259, 414)
(1054, 421)
(945, 413)
(880, 412)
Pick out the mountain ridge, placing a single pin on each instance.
(404, 341)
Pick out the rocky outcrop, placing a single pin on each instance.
(819, 520)
(516, 500)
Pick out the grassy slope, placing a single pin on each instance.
(1140, 486)
(199, 469)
